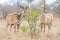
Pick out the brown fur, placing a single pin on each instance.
(13, 19)
(47, 18)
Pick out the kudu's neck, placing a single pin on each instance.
(20, 16)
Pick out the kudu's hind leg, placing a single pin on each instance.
(44, 28)
(11, 27)
(49, 27)
(7, 27)
(14, 28)
(18, 28)
(41, 27)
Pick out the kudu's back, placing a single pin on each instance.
(12, 18)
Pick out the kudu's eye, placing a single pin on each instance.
(22, 7)
(26, 7)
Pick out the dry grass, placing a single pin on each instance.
(54, 32)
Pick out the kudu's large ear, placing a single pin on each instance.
(26, 7)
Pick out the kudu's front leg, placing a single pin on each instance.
(14, 28)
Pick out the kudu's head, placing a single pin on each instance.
(23, 10)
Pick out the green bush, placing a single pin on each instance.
(33, 13)
(24, 28)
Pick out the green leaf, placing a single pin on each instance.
(33, 13)
(24, 28)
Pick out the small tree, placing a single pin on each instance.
(31, 17)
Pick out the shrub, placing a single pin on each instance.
(24, 28)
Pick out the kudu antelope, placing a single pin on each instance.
(13, 19)
(47, 20)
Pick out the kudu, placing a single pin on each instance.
(47, 20)
(12, 19)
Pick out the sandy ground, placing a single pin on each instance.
(54, 32)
